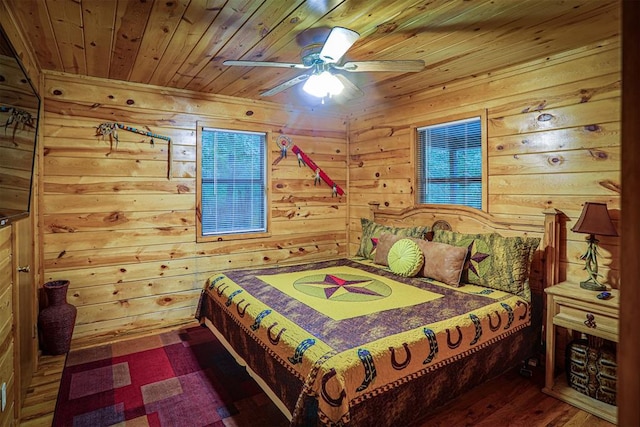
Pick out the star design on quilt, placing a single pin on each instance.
(476, 257)
(335, 286)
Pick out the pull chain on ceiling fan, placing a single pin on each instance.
(322, 80)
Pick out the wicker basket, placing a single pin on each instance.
(592, 370)
(56, 322)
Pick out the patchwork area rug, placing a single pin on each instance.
(179, 378)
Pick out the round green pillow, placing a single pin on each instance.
(405, 258)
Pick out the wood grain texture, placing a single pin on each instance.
(182, 44)
(516, 62)
(629, 384)
(66, 21)
(7, 369)
(16, 139)
(21, 44)
(125, 236)
(553, 141)
(26, 304)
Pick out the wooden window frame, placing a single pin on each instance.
(483, 149)
(200, 126)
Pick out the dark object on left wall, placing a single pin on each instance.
(19, 116)
(57, 320)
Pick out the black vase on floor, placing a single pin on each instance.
(57, 320)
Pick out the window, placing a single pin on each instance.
(449, 166)
(232, 179)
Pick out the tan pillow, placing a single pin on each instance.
(385, 241)
(442, 262)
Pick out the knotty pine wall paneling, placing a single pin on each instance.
(16, 141)
(125, 235)
(7, 371)
(553, 128)
(25, 252)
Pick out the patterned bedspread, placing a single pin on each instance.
(350, 331)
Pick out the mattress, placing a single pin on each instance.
(347, 342)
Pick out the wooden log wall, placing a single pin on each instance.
(553, 129)
(16, 139)
(24, 239)
(125, 235)
(7, 371)
(18, 40)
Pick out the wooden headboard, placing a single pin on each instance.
(545, 265)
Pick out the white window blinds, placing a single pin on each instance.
(450, 163)
(233, 187)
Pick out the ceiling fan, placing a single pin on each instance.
(322, 61)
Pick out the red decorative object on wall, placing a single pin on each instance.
(301, 155)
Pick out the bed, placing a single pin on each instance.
(355, 342)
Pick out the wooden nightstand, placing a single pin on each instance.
(574, 308)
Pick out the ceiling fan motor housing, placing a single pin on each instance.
(311, 54)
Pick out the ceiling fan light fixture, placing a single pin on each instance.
(321, 59)
(323, 84)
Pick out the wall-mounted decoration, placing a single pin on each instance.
(111, 130)
(300, 160)
(303, 159)
(283, 142)
(108, 130)
(17, 118)
(19, 114)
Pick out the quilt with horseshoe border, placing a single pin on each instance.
(342, 363)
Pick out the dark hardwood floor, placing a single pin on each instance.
(509, 400)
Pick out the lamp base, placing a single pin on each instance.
(592, 286)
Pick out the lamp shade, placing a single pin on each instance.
(595, 219)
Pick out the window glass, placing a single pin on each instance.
(450, 163)
(233, 193)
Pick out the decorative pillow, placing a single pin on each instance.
(371, 232)
(443, 262)
(381, 251)
(495, 261)
(405, 258)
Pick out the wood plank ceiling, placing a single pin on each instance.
(182, 43)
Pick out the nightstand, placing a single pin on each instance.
(571, 307)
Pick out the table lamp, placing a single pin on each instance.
(593, 220)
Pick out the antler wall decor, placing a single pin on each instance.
(111, 129)
(16, 117)
(283, 142)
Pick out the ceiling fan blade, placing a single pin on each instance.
(338, 43)
(394, 66)
(350, 90)
(265, 64)
(286, 85)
